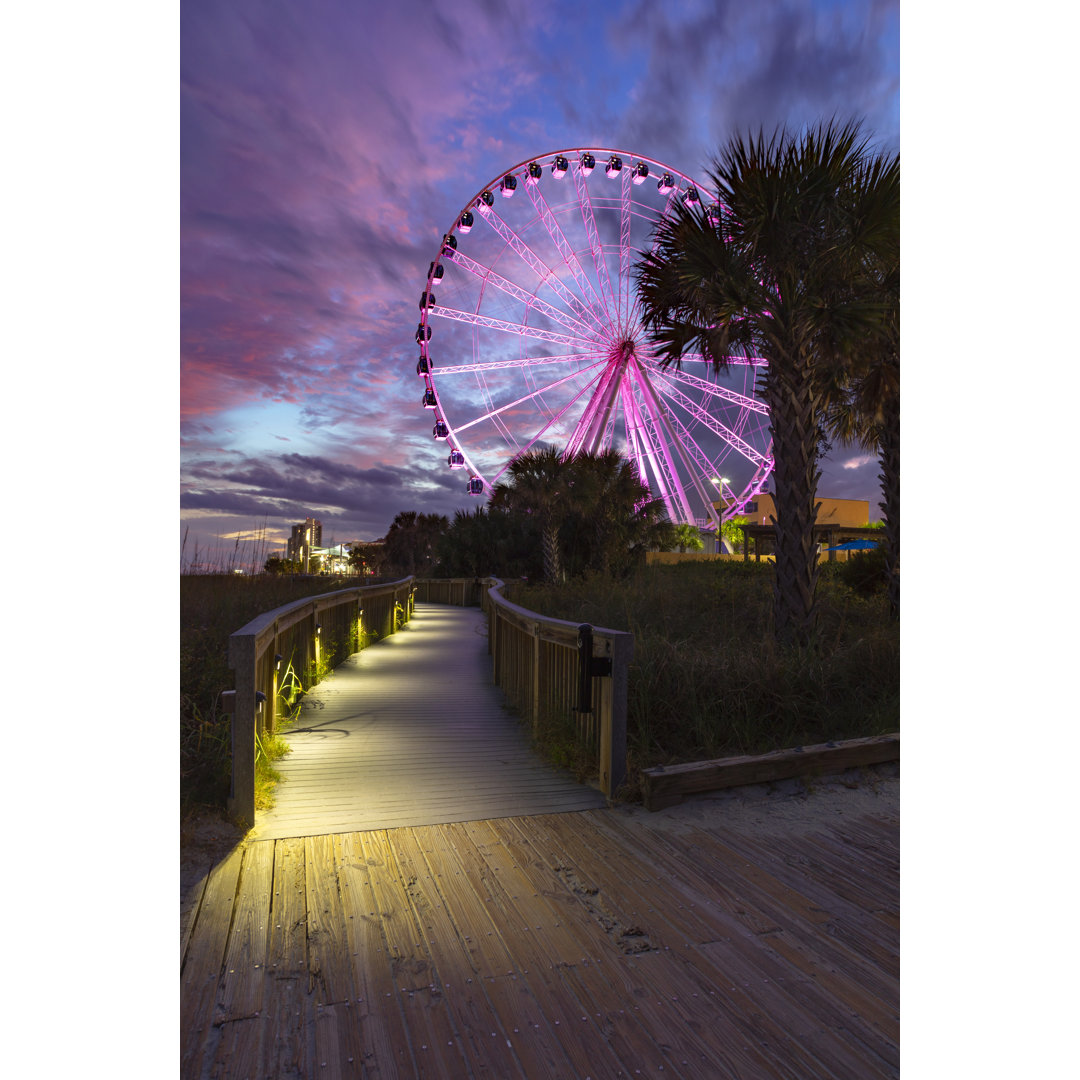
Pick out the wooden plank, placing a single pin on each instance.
(339, 1050)
(202, 965)
(385, 1042)
(329, 970)
(239, 1049)
(635, 889)
(516, 1016)
(287, 1005)
(808, 943)
(241, 991)
(418, 857)
(189, 910)
(792, 944)
(287, 1048)
(692, 1035)
(435, 1045)
(668, 785)
(542, 938)
(539, 970)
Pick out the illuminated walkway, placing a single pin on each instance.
(409, 732)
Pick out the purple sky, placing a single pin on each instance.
(327, 146)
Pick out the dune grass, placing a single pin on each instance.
(212, 606)
(708, 680)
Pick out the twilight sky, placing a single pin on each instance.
(327, 146)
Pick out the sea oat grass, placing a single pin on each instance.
(213, 606)
(708, 680)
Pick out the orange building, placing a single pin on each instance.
(851, 513)
(838, 521)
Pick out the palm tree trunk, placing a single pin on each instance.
(793, 411)
(890, 504)
(552, 566)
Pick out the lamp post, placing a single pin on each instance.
(720, 481)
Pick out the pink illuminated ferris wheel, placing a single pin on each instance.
(530, 334)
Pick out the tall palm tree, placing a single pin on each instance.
(779, 271)
(539, 484)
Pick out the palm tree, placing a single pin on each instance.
(779, 271)
(411, 540)
(608, 493)
(687, 536)
(539, 484)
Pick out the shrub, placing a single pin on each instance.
(864, 572)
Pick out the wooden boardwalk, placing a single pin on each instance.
(603, 943)
(411, 731)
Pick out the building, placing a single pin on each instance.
(838, 521)
(306, 536)
(850, 513)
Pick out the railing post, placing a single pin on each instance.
(536, 679)
(241, 802)
(613, 716)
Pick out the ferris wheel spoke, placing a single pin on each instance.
(527, 362)
(517, 329)
(646, 433)
(675, 445)
(597, 249)
(704, 466)
(732, 361)
(538, 266)
(530, 300)
(624, 249)
(731, 396)
(703, 416)
(527, 397)
(569, 256)
(544, 430)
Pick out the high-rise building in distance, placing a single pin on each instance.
(305, 536)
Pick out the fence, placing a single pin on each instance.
(300, 641)
(554, 670)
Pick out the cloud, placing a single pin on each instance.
(291, 487)
(859, 462)
(326, 147)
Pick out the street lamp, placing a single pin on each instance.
(720, 481)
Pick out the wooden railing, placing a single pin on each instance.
(462, 592)
(551, 669)
(308, 637)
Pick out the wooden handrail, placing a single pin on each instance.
(308, 630)
(544, 681)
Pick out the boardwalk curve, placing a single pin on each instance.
(411, 732)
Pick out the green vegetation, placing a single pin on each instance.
(688, 538)
(708, 679)
(212, 606)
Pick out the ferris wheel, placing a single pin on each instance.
(530, 335)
